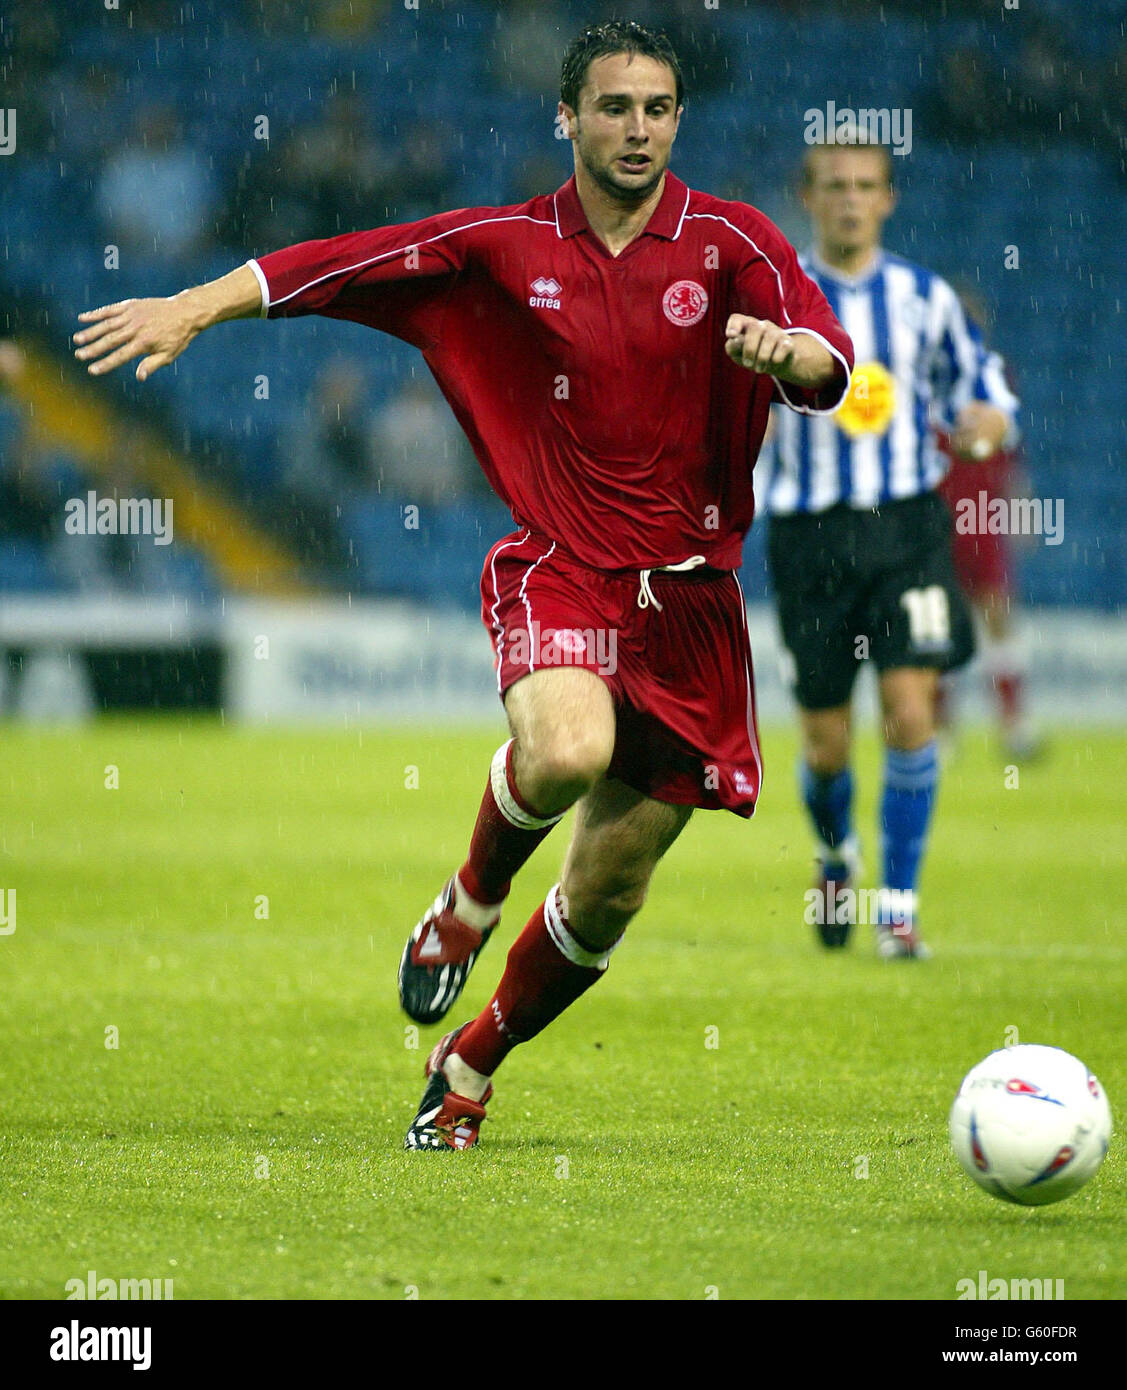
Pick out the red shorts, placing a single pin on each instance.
(982, 562)
(680, 676)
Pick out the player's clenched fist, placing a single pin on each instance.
(156, 330)
(758, 344)
(762, 346)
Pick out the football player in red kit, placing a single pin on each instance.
(611, 351)
(984, 566)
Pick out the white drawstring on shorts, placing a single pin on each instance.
(646, 594)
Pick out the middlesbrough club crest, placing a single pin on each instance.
(685, 303)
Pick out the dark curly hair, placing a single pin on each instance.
(603, 40)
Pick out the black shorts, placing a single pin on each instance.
(867, 585)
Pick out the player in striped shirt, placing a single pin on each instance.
(859, 541)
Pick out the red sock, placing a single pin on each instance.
(539, 983)
(1008, 685)
(506, 833)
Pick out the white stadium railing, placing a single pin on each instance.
(331, 660)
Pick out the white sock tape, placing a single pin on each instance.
(514, 814)
(560, 933)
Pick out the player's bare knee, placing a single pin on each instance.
(561, 769)
(909, 724)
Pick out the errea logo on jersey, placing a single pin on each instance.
(545, 293)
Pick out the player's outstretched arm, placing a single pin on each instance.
(158, 330)
(762, 346)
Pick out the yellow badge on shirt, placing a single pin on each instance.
(869, 407)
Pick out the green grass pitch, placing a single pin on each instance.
(244, 1136)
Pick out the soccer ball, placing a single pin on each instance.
(1030, 1124)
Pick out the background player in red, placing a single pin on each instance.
(984, 566)
(612, 352)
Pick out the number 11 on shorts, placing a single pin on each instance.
(929, 617)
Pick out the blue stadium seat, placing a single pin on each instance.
(175, 569)
(24, 567)
(463, 534)
(385, 562)
(439, 560)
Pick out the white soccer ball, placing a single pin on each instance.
(1030, 1124)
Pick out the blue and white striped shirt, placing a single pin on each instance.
(919, 362)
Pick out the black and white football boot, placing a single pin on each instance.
(445, 1120)
(438, 958)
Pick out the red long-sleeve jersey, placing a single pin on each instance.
(594, 389)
